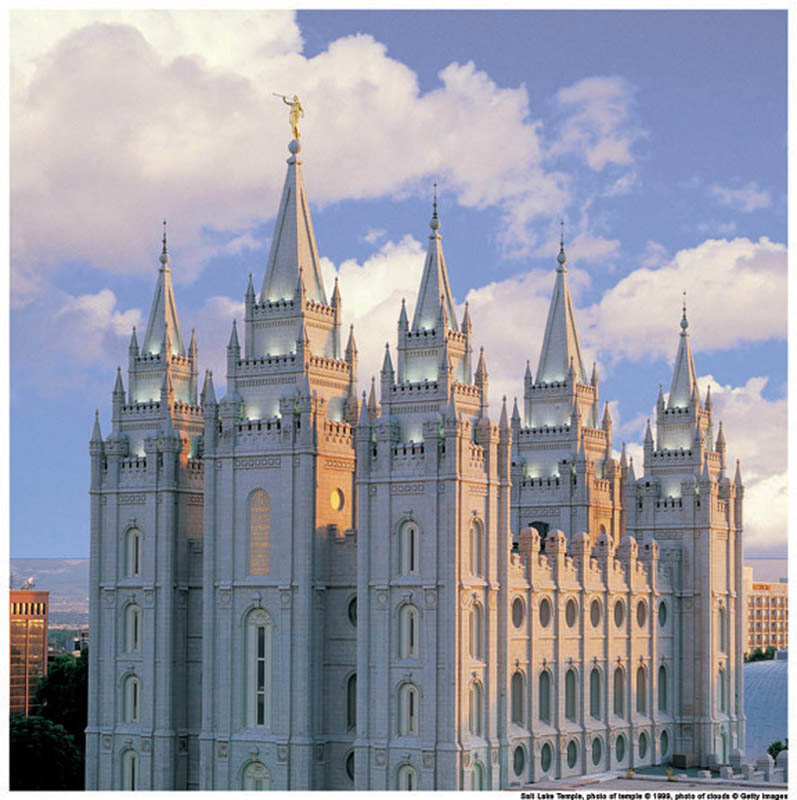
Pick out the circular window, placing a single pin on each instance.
(352, 611)
(643, 744)
(619, 748)
(570, 613)
(664, 742)
(595, 613)
(662, 614)
(336, 500)
(546, 755)
(641, 613)
(545, 612)
(350, 766)
(517, 612)
(619, 613)
(597, 750)
(572, 753)
(518, 760)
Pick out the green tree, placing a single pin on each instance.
(777, 746)
(43, 756)
(63, 695)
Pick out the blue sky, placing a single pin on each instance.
(659, 138)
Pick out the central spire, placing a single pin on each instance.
(435, 290)
(293, 255)
(163, 313)
(684, 377)
(560, 346)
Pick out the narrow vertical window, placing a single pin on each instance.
(477, 777)
(475, 721)
(408, 632)
(408, 549)
(722, 630)
(545, 696)
(257, 659)
(641, 691)
(132, 699)
(133, 553)
(662, 688)
(721, 688)
(595, 693)
(407, 779)
(256, 777)
(132, 628)
(408, 710)
(130, 770)
(259, 533)
(351, 701)
(619, 692)
(517, 698)
(477, 549)
(570, 694)
(476, 631)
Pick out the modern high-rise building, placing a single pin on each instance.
(295, 588)
(28, 647)
(767, 608)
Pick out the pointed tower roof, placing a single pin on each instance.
(163, 313)
(351, 345)
(737, 479)
(435, 289)
(293, 245)
(96, 434)
(560, 344)
(684, 379)
(208, 390)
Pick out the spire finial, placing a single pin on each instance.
(561, 258)
(435, 222)
(164, 252)
(684, 321)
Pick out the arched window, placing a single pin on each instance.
(518, 760)
(408, 549)
(133, 553)
(476, 631)
(597, 750)
(664, 743)
(721, 690)
(259, 533)
(256, 777)
(257, 659)
(129, 770)
(643, 744)
(572, 753)
(595, 693)
(475, 716)
(132, 699)
(408, 710)
(619, 749)
(546, 756)
(722, 630)
(407, 778)
(545, 696)
(570, 694)
(132, 628)
(518, 701)
(477, 777)
(641, 691)
(477, 548)
(619, 691)
(408, 631)
(351, 701)
(662, 688)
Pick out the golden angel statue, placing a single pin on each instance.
(296, 112)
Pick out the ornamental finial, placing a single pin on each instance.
(434, 224)
(295, 114)
(684, 321)
(562, 258)
(164, 253)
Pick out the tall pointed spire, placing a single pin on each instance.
(560, 344)
(96, 434)
(684, 379)
(163, 313)
(435, 289)
(293, 246)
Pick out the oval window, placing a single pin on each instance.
(572, 754)
(336, 500)
(643, 744)
(518, 760)
(665, 742)
(662, 614)
(546, 755)
(619, 613)
(595, 613)
(350, 766)
(620, 748)
(597, 750)
(517, 612)
(545, 612)
(570, 613)
(641, 613)
(352, 611)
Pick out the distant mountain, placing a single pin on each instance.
(67, 581)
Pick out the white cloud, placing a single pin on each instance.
(736, 292)
(117, 121)
(655, 255)
(746, 199)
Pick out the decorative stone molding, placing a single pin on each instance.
(224, 596)
(131, 500)
(107, 742)
(406, 488)
(222, 749)
(149, 597)
(338, 463)
(285, 598)
(381, 600)
(109, 597)
(258, 462)
(431, 598)
(372, 490)
(428, 759)
(494, 755)
(146, 744)
(282, 752)
(481, 491)
(379, 758)
(466, 759)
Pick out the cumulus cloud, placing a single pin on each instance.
(746, 198)
(736, 292)
(117, 121)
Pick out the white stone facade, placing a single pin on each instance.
(293, 588)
